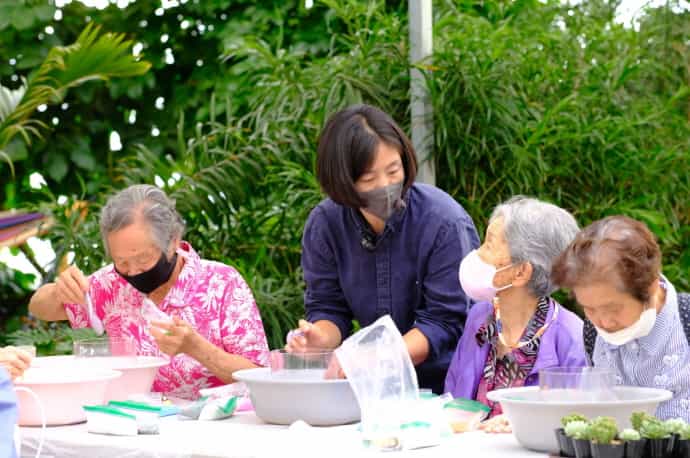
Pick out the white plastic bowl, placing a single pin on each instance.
(138, 372)
(290, 395)
(534, 420)
(62, 394)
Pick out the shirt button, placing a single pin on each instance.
(634, 346)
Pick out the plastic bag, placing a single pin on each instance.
(207, 408)
(378, 366)
(237, 389)
(151, 312)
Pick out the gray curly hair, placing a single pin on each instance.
(148, 202)
(536, 232)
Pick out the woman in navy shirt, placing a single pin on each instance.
(382, 244)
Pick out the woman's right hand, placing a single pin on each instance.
(71, 286)
(307, 337)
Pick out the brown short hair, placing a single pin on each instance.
(615, 248)
(347, 147)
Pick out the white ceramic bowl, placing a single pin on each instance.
(138, 372)
(287, 396)
(62, 393)
(534, 420)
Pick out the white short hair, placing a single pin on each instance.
(536, 232)
(150, 203)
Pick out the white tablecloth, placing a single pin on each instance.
(244, 435)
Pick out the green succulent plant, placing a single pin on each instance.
(654, 429)
(572, 417)
(637, 418)
(603, 430)
(577, 429)
(630, 435)
(685, 433)
(675, 425)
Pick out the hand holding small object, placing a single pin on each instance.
(174, 338)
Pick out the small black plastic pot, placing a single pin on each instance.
(636, 449)
(608, 450)
(681, 448)
(660, 448)
(583, 448)
(565, 443)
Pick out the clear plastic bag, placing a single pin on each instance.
(378, 366)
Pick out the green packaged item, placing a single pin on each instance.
(465, 414)
(110, 420)
(148, 417)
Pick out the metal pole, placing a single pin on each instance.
(420, 24)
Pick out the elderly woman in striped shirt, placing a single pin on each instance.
(637, 324)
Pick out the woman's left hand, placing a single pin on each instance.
(174, 338)
(496, 425)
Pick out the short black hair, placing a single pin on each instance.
(347, 147)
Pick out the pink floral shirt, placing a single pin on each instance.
(212, 297)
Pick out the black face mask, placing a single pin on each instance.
(154, 277)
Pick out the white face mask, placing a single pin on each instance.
(642, 327)
(477, 277)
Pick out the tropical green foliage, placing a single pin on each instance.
(53, 340)
(560, 102)
(183, 45)
(93, 56)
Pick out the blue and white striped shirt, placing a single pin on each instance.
(658, 360)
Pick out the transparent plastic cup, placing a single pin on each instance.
(577, 384)
(282, 360)
(104, 346)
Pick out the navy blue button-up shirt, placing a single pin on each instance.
(410, 271)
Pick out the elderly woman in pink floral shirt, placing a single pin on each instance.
(215, 327)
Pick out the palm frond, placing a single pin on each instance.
(94, 56)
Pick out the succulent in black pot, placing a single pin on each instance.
(578, 431)
(659, 439)
(635, 444)
(681, 443)
(637, 418)
(603, 433)
(565, 442)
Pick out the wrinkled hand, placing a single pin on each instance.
(306, 337)
(71, 286)
(174, 338)
(15, 361)
(496, 425)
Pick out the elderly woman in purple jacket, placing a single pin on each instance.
(515, 329)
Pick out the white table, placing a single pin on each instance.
(244, 435)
